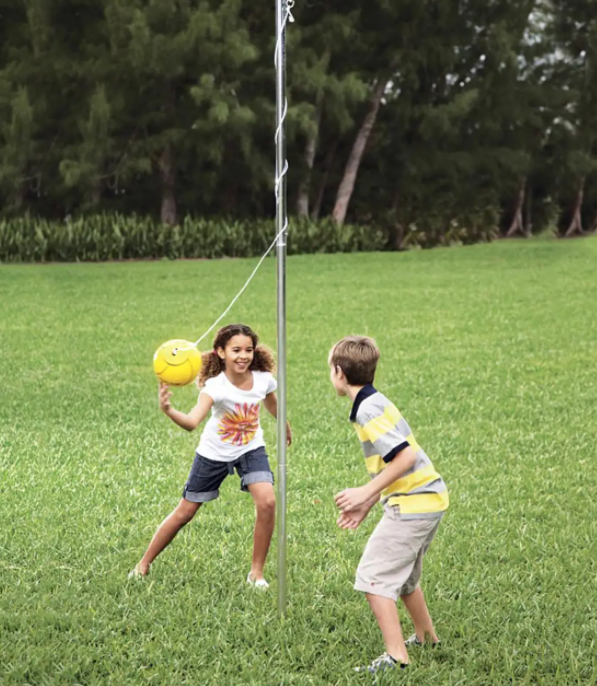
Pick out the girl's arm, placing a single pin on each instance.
(188, 421)
(271, 405)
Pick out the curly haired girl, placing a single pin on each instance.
(236, 376)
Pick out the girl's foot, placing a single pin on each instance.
(258, 583)
(139, 571)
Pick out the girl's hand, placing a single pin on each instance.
(164, 395)
(351, 499)
(288, 434)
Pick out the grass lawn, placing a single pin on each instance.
(489, 351)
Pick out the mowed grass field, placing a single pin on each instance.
(489, 351)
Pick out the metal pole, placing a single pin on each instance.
(281, 220)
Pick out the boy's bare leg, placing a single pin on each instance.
(417, 609)
(386, 614)
(181, 515)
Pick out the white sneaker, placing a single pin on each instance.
(414, 641)
(380, 664)
(258, 583)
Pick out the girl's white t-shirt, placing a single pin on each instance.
(233, 428)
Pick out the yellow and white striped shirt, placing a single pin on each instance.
(421, 492)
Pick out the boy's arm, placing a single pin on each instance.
(189, 421)
(271, 405)
(353, 498)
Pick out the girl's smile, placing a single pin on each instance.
(238, 354)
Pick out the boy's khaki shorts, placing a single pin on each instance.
(392, 563)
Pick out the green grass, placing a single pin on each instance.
(489, 351)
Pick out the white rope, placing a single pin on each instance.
(287, 17)
(242, 290)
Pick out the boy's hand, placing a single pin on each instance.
(352, 519)
(288, 434)
(351, 499)
(164, 395)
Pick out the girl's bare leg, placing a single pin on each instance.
(265, 506)
(174, 522)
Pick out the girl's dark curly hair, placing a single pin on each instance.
(212, 364)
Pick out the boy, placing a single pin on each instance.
(413, 494)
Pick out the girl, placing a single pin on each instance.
(235, 377)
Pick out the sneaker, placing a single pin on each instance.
(258, 583)
(414, 641)
(380, 664)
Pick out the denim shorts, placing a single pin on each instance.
(207, 475)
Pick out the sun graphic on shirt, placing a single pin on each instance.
(239, 427)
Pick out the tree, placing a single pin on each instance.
(181, 59)
(575, 31)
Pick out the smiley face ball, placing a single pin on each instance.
(177, 362)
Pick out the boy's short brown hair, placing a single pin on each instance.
(357, 357)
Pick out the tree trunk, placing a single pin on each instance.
(167, 162)
(575, 228)
(528, 211)
(517, 225)
(352, 167)
(168, 179)
(396, 230)
(302, 204)
(95, 196)
(329, 161)
(19, 197)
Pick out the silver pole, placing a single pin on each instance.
(281, 220)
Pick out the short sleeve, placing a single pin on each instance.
(212, 388)
(272, 384)
(384, 434)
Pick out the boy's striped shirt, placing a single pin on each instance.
(421, 492)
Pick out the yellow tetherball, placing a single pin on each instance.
(177, 362)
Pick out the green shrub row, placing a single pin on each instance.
(116, 237)
(104, 237)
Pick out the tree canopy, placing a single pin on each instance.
(419, 114)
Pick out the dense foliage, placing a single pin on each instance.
(431, 119)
